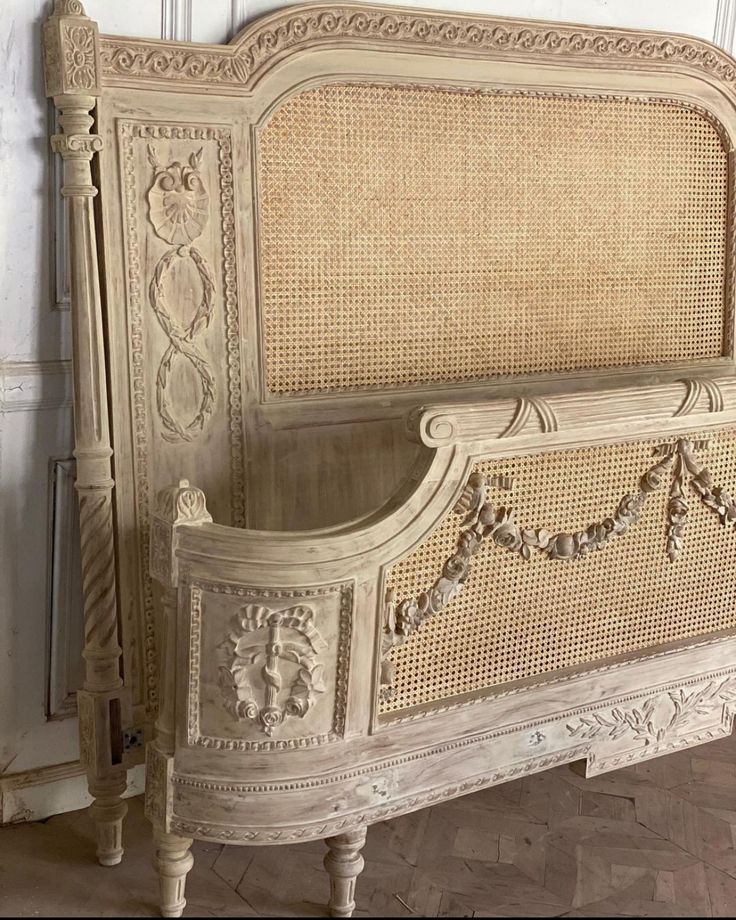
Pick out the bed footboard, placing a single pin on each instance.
(519, 607)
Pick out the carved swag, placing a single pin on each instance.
(483, 522)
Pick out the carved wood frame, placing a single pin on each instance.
(267, 62)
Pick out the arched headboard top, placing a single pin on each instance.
(240, 64)
(441, 199)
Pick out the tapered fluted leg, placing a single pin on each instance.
(107, 811)
(172, 862)
(344, 864)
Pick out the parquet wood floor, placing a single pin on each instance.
(655, 840)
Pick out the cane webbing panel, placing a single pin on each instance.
(410, 235)
(518, 618)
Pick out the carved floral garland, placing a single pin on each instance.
(483, 521)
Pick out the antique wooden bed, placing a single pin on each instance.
(437, 312)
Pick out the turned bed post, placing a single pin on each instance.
(71, 58)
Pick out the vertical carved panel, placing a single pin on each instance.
(183, 324)
(179, 210)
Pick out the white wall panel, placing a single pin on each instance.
(65, 664)
(30, 439)
(696, 18)
(128, 17)
(212, 21)
(724, 30)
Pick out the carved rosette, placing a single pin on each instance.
(486, 523)
(71, 51)
(274, 669)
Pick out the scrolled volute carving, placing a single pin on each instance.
(68, 8)
(434, 429)
(484, 522)
(76, 146)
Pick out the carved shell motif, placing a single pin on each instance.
(178, 200)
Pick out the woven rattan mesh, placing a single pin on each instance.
(410, 235)
(518, 618)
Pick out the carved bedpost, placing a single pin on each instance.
(177, 505)
(71, 59)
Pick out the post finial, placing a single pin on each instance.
(68, 8)
(175, 505)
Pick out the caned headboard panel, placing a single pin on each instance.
(410, 235)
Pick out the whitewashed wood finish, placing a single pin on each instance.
(272, 773)
(34, 332)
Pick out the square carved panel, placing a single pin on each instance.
(268, 669)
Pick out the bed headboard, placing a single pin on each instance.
(350, 210)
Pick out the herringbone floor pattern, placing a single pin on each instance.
(657, 840)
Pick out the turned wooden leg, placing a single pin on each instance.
(172, 862)
(344, 864)
(107, 811)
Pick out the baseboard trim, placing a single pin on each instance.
(31, 385)
(33, 795)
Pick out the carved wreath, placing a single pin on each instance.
(484, 522)
(282, 669)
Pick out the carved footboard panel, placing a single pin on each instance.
(561, 559)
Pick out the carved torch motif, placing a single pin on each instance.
(282, 668)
